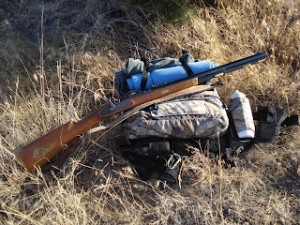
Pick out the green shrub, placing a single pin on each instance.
(170, 11)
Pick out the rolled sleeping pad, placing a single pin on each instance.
(167, 75)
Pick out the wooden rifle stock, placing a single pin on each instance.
(43, 149)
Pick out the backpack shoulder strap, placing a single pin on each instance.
(144, 73)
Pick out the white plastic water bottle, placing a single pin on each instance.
(242, 115)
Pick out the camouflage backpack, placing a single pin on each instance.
(155, 132)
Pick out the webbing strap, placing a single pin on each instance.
(186, 67)
(144, 74)
(291, 120)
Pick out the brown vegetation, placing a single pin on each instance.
(57, 62)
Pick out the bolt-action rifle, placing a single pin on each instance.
(42, 150)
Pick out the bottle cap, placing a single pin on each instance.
(237, 94)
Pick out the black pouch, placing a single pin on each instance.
(270, 120)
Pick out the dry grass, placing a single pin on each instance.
(59, 70)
